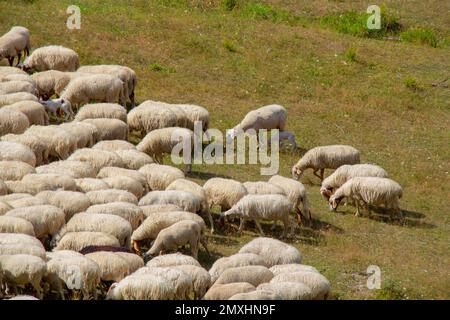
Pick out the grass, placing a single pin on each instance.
(298, 64)
(421, 36)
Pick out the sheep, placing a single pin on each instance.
(268, 117)
(16, 86)
(319, 285)
(37, 146)
(8, 99)
(111, 195)
(46, 219)
(235, 260)
(112, 267)
(181, 281)
(134, 159)
(48, 181)
(90, 184)
(272, 251)
(125, 183)
(190, 186)
(194, 114)
(14, 196)
(97, 158)
(226, 291)
(184, 199)
(159, 208)
(346, 172)
(4, 207)
(200, 277)
(51, 58)
(23, 297)
(325, 157)
(50, 82)
(3, 188)
(109, 129)
(141, 287)
(26, 202)
(223, 192)
(73, 168)
(111, 172)
(133, 260)
(102, 110)
(114, 145)
(292, 267)
(257, 295)
(59, 142)
(12, 121)
(26, 34)
(296, 193)
(84, 136)
(254, 275)
(287, 290)
(17, 77)
(261, 207)
(159, 176)
(18, 243)
(76, 241)
(6, 71)
(261, 187)
(16, 152)
(16, 225)
(148, 116)
(13, 43)
(130, 212)
(366, 191)
(34, 111)
(162, 141)
(172, 259)
(70, 202)
(22, 269)
(180, 114)
(126, 74)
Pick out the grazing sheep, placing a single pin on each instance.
(317, 283)
(130, 212)
(346, 172)
(272, 207)
(184, 199)
(97, 158)
(149, 116)
(37, 146)
(160, 176)
(261, 187)
(226, 291)
(223, 192)
(292, 267)
(34, 111)
(26, 34)
(254, 275)
(109, 129)
(26, 202)
(325, 157)
(23, 269)
(111, 195)
(172, 259)
(159, 142)
(4, 208)
(112, 267)
(125, 183)
(59, 142)
(83, 133)
(17, 86)
(114, 145)
(8, 99)
(13, 43)
(91, 184)
(200, 277)
(141, 287)
(134, 159)
(194, 114)
(159, 208)
(14, 170)
(366, 191)
(48, 181)
(273, 251)
(52, 58)
(179, 113)
(14, 196)
(12, 121)
(46, 219)
(72, 168)
(18, 243)
(17, 77)
(16, 225)
(257, 295)
(111, 172)
(70, 202)
(296, 193)
(235, 260)
(76, 241)
(287, 290)
(16, 152)
(133, 260)
(102, 110)
(50, 82)
(6, 71)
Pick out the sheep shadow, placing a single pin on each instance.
(206, 175)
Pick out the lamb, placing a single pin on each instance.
(254, 275)
(159, 177)
(90, 184)
(76, 241)
(114, 145)
(111, 195)
(12, 121)
(97, 158)
(200, 277)
(8, 99)
(162, 141)
(17, 86)
(292, 267)
(261, 207)
(16, 152)
(159, 208)
(16, 225)
(141, 287)
(346, 172)
(261, 187)
(110, 172)
(130, 212)
(296, 193)
(73, 168)
(325, 157)
(48, 181)
(38, 147)
(184, 199)
(317, 283)
(4, 207)
(12, 44)
(112, 267)
(273, 251)
(226, 291)
(109, 129)
(34, 111)
(51, 58)
(59, 143)
(257, 295)
(70, 202)
(366, 191)
(223, 192)
(235, 260)
(84, 133)
(134, 159)
(22, 269)
(148, 116)
(172, 259)
(125, 183)
(18, 243)
(287, 290)
(46, 219)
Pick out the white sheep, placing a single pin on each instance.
(172, 259)
(26, 202)
(235, 260)
(102, 110)
(319, 285)
(16, 225)
(16, 86)
(126, 183)
(226, 291)
(73, 168)
(16, 152)
(12, 121)
(200, 277)
(70, 202)
(153, 209)
(112, 267)
(3, 188)
(48, 181)
(111, 195)
(129, 211)
(287, 290)
(184, 199)
(76, 241)
(160, 176)
(18, 243)
(97, 158)
(4, 207)
(257, 295)
(272, 251)
(110, 172)
(50, 82)
(292, 267)
(133, 260)
(13, 43)
(84, 133)
(37, 146)
(194, 114)
(262, 187)
(8, 99)
(14, 170)
(141, 287)
(223, 192)
(325, 157)
(254, 275)
(149, 116)
(366, 191)
(90, 184)
(114, 145)
(59, 142)
(34, 111)
(109, 129)
(271, 207)
(6, 71)
(346, 172)
(23, 297)
(134, 159)
(52, 58)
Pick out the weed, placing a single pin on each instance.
(229, 45)
(350, 54)
(421, 36)
(159, 68)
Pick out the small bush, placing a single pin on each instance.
(350, 54)
(159, 68)
(229, 45)
(392, 290)
(420, 35)
(411, 83)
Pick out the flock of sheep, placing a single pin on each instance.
(78, 202)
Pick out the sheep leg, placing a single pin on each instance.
(357, 209)
(10, 61)
(299, 215)
(210, 221)
(318, 176)
(194, 248)
(259, 227)
(241, 226)
(133, 104)
(37, 286)
(19, 56)
(135, 246)
(204, 244)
